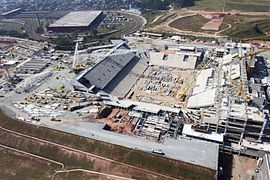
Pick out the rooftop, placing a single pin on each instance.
(203, 99)
(182, 61)
(258, 146)
(77, 19)
(213, 136)
(107, 69)
(142, 106)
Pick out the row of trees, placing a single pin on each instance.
(164, 4)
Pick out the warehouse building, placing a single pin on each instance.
(11, 13)
(78, 21)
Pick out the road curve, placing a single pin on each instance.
(93, 172)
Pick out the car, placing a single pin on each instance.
(158, 151)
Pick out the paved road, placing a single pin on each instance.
(83, 152)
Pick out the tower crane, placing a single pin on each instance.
(183, 94)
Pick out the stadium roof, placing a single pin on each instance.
(127, 77)
(107, 69)
(77, 19)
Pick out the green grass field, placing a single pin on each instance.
(11, 26)
(248, 27)
(242, 5)
(243, 27)
(150, 16)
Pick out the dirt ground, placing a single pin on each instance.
(243, 168)
(214, 24)
(185, 75)
(15, 165)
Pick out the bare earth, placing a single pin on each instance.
(243, 168)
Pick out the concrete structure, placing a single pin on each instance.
(142, 106)
(177, 60)
(264, 166)
(32, 66)
(225, 101)
(116, 73)
(78, 20)
(210, 136)
(135, 10)
(203, 99)
(11, 13)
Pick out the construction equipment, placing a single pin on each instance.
(7, 74)
(251, 56)
(75, 66)
(182, 96)
(58, 68)
(75, 55)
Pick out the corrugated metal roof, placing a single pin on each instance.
(107, 69)
(76, 19)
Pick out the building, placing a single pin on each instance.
(226, 102)
(181, 60)
(78, 21)
(207, 135)
(135, 10)
(11, 13)
(116, 73)
(264, 166)
(138, 106)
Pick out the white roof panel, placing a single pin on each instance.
(77, 19)
(187, 130)
(204, 99)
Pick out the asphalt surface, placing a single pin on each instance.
(188, 150)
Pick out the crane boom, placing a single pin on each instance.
(75, 55)
(193, 79)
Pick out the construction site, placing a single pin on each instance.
(231, 97)
(161, 94)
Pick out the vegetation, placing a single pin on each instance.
(19, 166)
(208, 5)
(190, 23)
(227, 5)
(242, 27)
(164, 4)
(13, 34)
(248, 27)
(137, 158)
